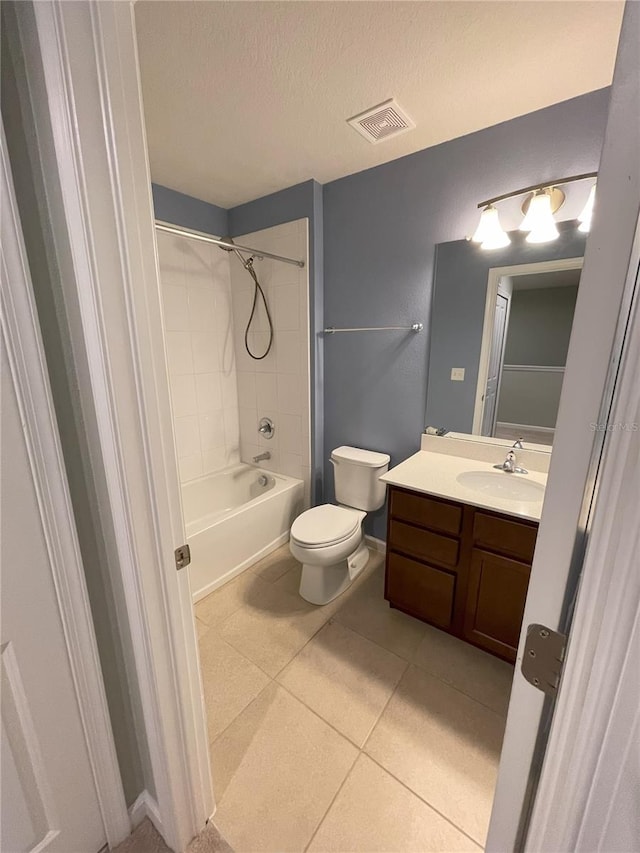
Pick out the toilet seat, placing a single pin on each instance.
(325, 525)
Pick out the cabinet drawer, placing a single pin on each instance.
(428, 512)
(422, 590)
(505, 536)
(424, 544)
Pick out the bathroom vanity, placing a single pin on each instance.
(461, 559)
(460, 568)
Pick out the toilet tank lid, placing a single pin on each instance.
(357, 456)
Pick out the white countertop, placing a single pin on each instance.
(435, 474)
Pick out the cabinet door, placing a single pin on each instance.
(495, 602)
(421, 590)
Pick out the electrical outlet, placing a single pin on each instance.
(457, 374)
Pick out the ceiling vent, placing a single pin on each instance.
(382, 122)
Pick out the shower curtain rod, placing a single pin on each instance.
(196, 235)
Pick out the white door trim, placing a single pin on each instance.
(495, 274)
(607, 608)
(21, 332)
(97, 172)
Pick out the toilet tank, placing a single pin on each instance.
(356, 474)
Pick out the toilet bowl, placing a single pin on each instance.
(328, 540)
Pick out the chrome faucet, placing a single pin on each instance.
(510, 464)
(262, 456)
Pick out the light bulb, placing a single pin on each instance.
(539, 216)
(587, 212)
(543, 235)
(496, 241)
(489, 231)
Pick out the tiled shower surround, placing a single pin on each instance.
(218, 392)
(276, 387)
(196, 293)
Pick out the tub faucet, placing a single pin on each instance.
(262, 456)
(510, 465)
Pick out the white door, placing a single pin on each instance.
(495, 363)
(49, 800)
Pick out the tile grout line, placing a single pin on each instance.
(243, 655)
(333, 799)
(316, 714)
(422, 799)
(361, 750)
(231, 722)
(386, 770)
(274, 680)
(386, 705)
(408, 664)
(458, 690)
(411, 662)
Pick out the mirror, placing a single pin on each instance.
(500, 328)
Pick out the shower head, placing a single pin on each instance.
(246, 263)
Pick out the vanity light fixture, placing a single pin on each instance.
(543, 200)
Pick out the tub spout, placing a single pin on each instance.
(262, 456)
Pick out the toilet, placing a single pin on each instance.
(328, 539)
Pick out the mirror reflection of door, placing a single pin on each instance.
(532, 351)
(500, 325)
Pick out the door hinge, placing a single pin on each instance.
(543, 658)
(183, 556)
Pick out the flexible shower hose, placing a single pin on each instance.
(248, 265)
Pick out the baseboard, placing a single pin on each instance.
(199, 594)
(377, 544)
(145, 806)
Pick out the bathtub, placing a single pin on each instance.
(233, 518)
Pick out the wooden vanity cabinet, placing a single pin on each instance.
(460, 568)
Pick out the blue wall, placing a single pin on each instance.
(180, 209)
(381, 227)
(283, 206)
(457, 315)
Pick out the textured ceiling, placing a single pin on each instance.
(244, 98)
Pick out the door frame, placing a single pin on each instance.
(577, 469)
(138, 461)
(21, 334)
(493, 282)
(506, 294)
(86, 106)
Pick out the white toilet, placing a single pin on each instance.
(328, 539)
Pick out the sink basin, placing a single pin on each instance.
(512, 487)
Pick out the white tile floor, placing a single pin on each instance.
(349, 727)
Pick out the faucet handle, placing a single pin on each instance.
(518, 444)
(266, 427)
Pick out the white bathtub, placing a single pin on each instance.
(232, 520)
